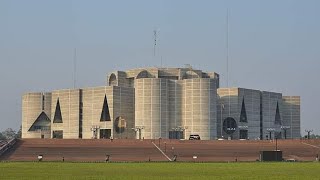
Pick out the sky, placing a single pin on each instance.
(273, 45)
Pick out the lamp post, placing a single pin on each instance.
(285, 128)
(185, 132)
(94, 130)
(309, 131)
(138, 129)
(276, 148)
(165, 147)
(270, 130)
(40, 133)
(221, 109)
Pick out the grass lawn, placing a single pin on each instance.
(59, 170)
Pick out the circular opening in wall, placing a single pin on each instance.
(120, 124)
(229, 125)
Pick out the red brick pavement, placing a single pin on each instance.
(137, 150)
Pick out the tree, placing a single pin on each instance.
(18, 134)
(2, 137)
(9, 133)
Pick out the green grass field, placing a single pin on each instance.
(56, 170)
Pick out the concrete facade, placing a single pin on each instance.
(270, 126)
(154, 103)
(171, 102)
(199, 102)
(291, 116)
(120, 102)
(69, 101)
(266, 115)
(243, 105)
(36, 113)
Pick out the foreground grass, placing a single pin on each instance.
(56, 170)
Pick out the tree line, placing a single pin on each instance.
(9, 133)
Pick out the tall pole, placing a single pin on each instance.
(276, 149)
(74, 67)
(285, 133)
(165, 147)
(139, 131)
(221, 119)
(155, 42)
(227, 44)
(270, 135)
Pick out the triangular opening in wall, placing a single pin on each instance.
(41, 123)
(105, 115)
(57, 115)
(243, 114)
(277, 118)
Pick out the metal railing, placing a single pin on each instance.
(7, 146)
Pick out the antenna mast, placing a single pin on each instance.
(227, 45)
(155, 42)
(227, 39)
(74, 67)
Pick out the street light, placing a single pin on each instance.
(159, 141)
(94, 130)
(309, 131)
(165, 147)
(285, 128)
(138, 129)
(40, 133)
(270, 130)
(221, 109)
(185, 132)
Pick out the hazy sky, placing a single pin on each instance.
(274, 45)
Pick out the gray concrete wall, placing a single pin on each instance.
(291, 115)
(69, 103)
(93, 99)
(252, 105)
(151, 107)
(32, 106)
(269, 105)
(228, 107)
(123, 106)
(199, 107)
(176, 107)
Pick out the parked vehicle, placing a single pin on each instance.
(194, 137)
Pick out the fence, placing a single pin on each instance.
(7, 146)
